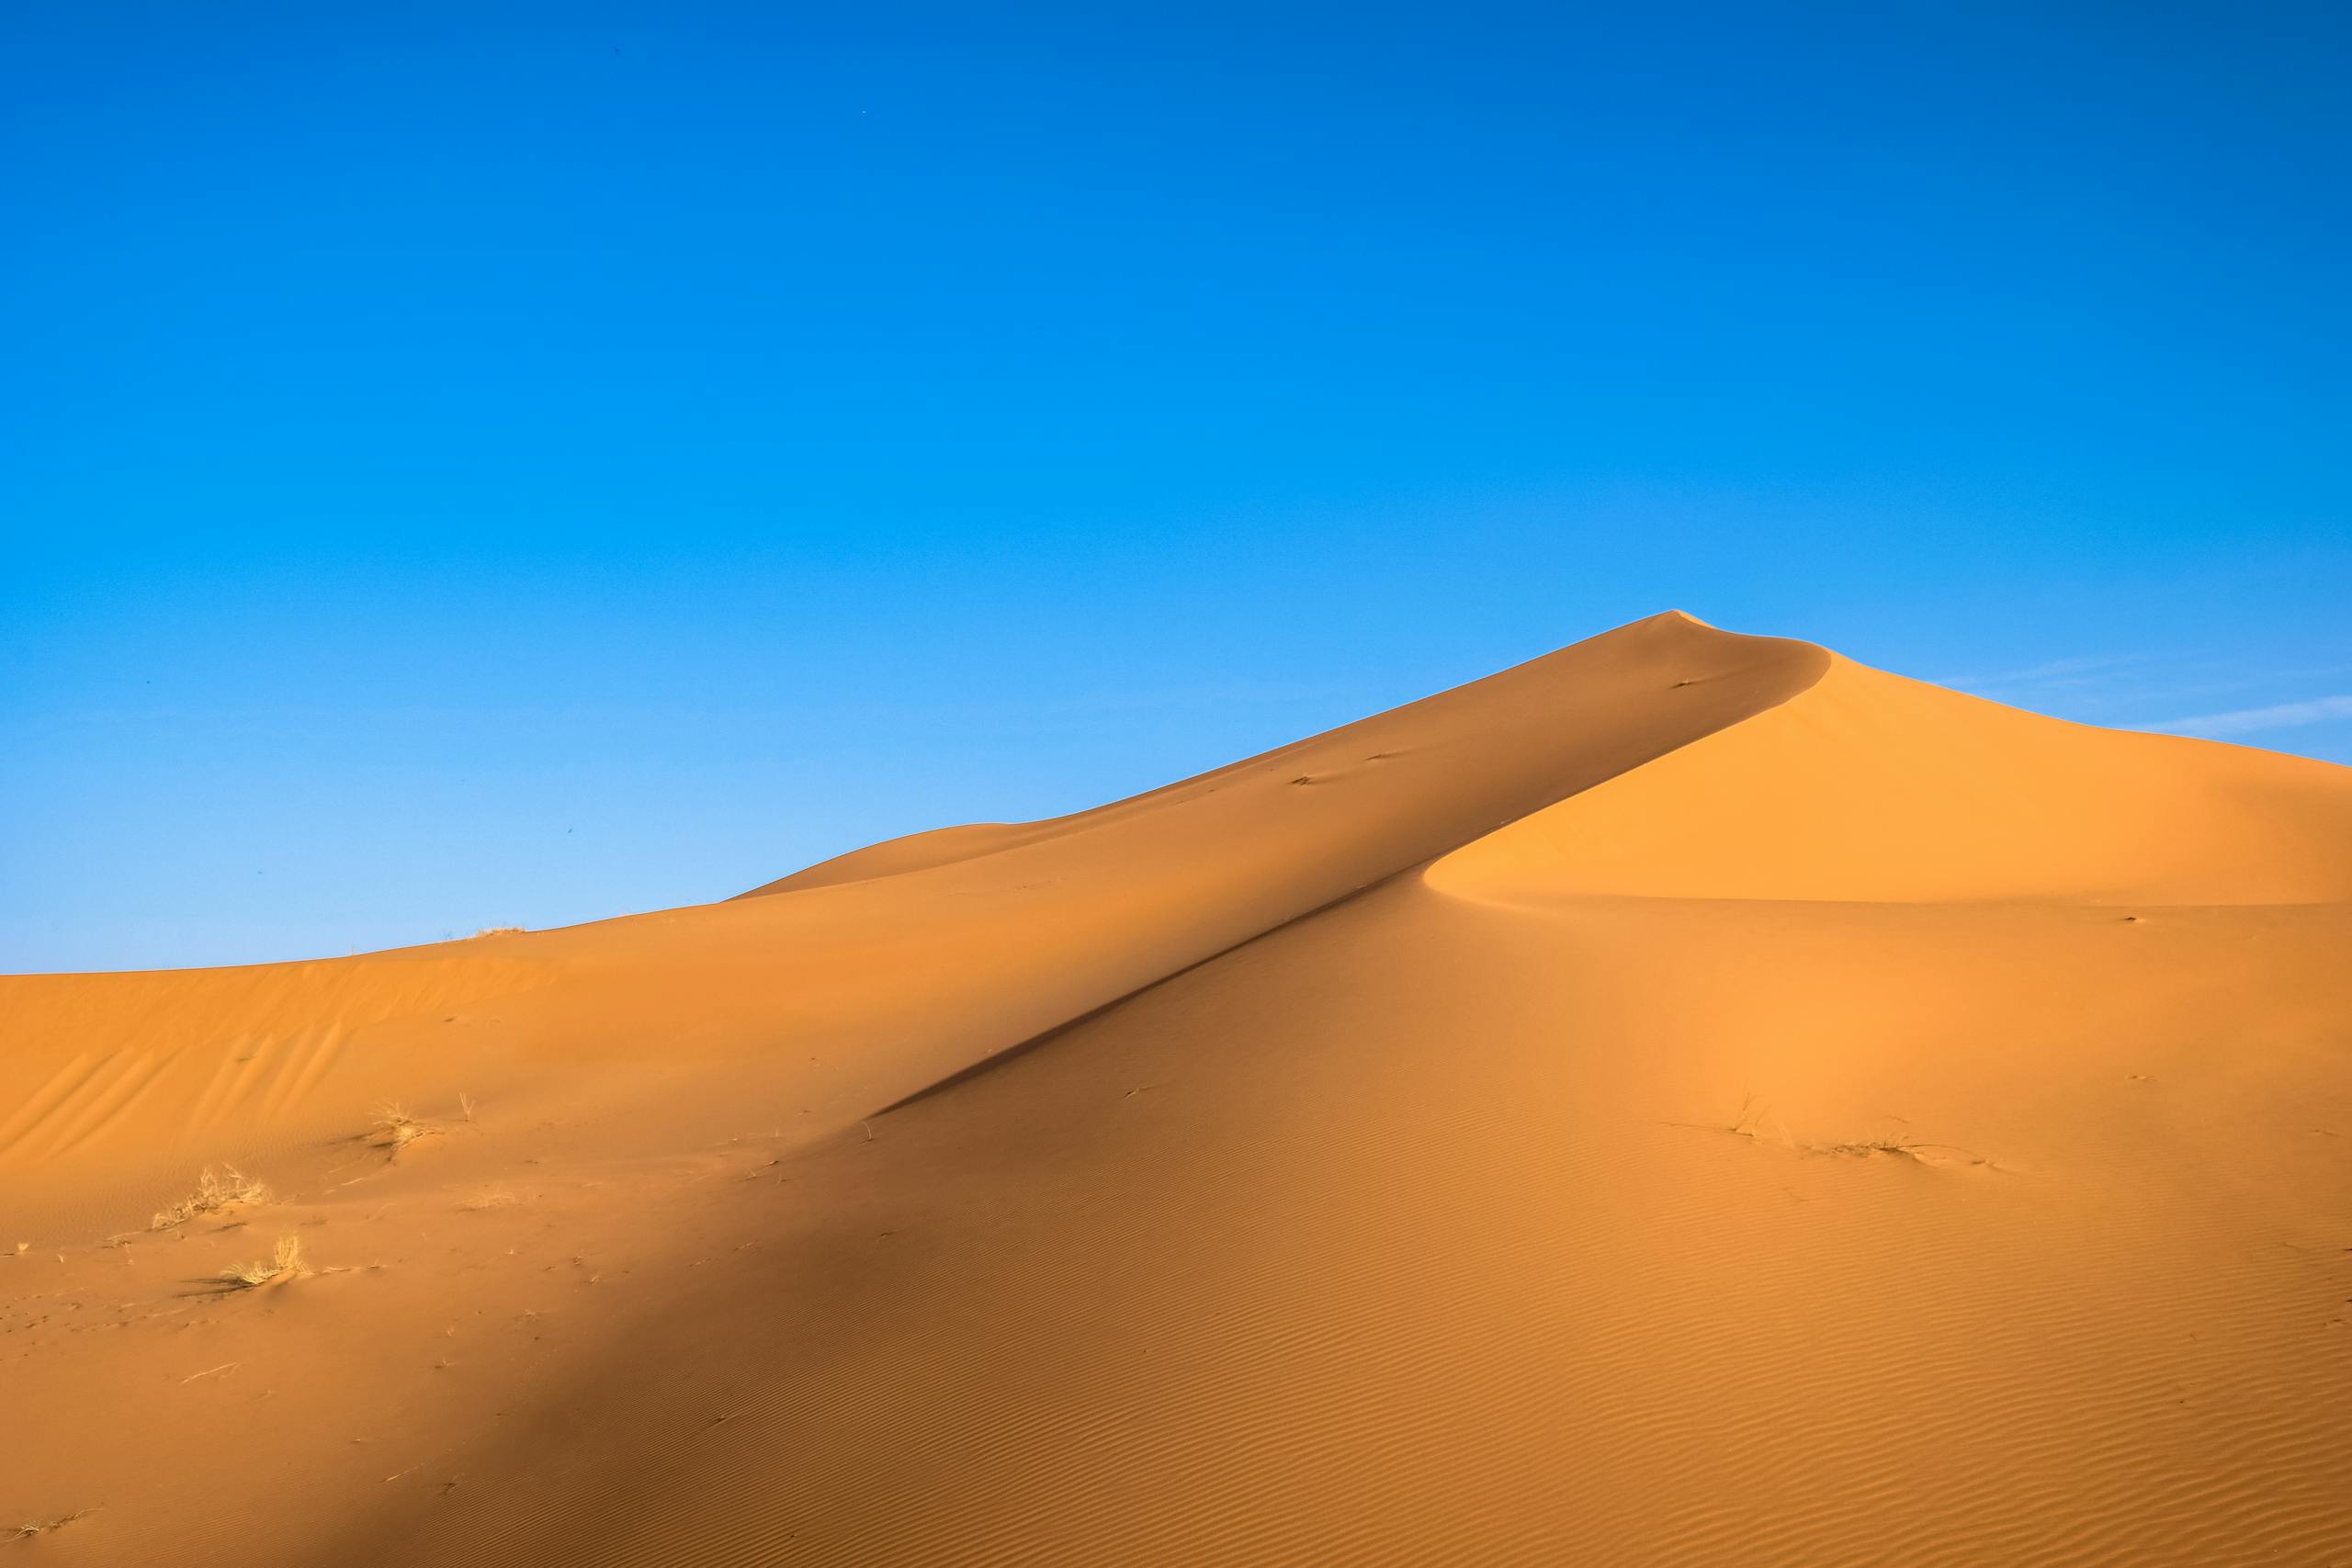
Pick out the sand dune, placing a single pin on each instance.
(1689, 1099)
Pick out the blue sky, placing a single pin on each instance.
(484, 464)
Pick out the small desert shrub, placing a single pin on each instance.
(497, 930)
(284, 1263)
(214, 1195)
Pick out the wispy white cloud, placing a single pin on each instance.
(2215, 685)
(2248, 721)
(2055, 671)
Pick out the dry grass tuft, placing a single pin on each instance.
(284, 1263)
(395, 1129)
(498, 931)
(214, 1195)
(1864, 1148)
(32, 1527)
(1753, 1124)
(1903, 1148)
(1751, 1118)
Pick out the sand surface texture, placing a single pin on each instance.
(1687, 1099)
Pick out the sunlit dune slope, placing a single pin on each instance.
(1689, 1099)
(1870, 786)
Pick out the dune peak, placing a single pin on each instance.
(1679, 1058)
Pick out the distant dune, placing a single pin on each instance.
(1688, 1100)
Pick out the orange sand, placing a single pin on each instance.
(1688, 1100)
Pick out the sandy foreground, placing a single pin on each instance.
(1690, 1098)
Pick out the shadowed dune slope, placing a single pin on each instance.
(1688, 1099)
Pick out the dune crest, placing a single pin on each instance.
(1017, 929)
(1685, 1098)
